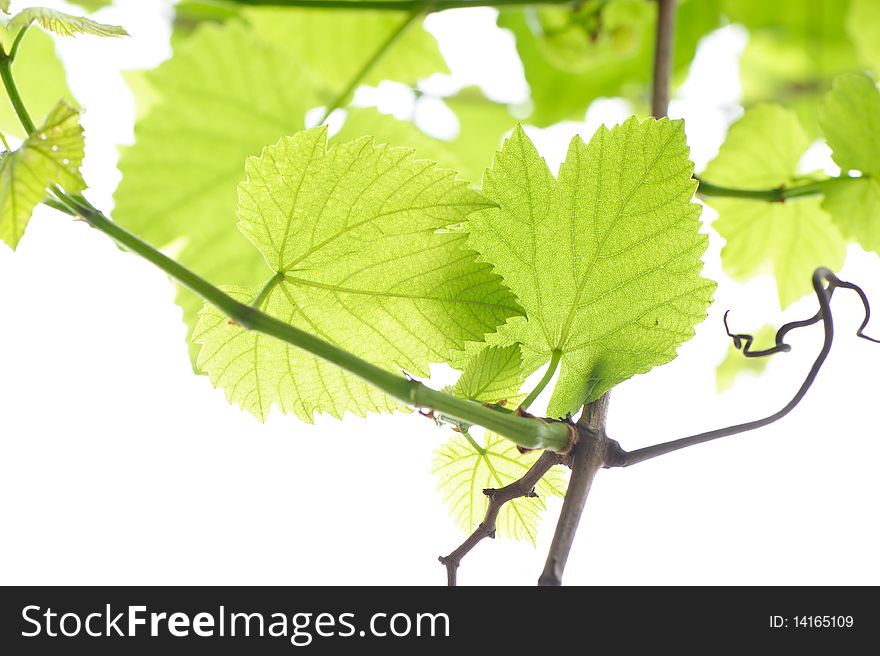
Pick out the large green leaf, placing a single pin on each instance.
(40, 78)
(605, 260)
(366, 249)
(463, 472)
(216, 107)
(789, 239)
(51, 155)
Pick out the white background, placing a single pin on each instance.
(119, 466)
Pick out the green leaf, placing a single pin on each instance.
(52, 155)
(789, 239)
(863, 27)
(4, 6)
(216, 107)
(360, 239)
(335, 45)
(850, 118)
(492, 375)
(854, 206)
(571, 57)
(40, 77)
(64, 24)
(735, 363)
(851, 122)
(605, 260)
(463, 473)
(482, 126)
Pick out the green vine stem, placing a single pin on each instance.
(545, 380)
(527, 432)
(775, 195)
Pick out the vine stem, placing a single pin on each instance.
(527, 432)
(399, 5)
(587, 458)
(555, 356)
(775, 195)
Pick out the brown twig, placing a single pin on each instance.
(523, 487)
(588, 457)
(662, 78)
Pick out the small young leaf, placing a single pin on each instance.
(64, 24)
(4, 6)
(52, 155)
(463, 473)
(790, 239)
(850, 118)
(605, 260)
(492, 375)
(359, 241)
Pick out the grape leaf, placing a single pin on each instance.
(863, 27)
(762, 151)
(851, 122)
(369, 254)
(335, 45)
(605, 260)
(40, 77)
(464, 472)
(735, 363)
(64, 24)
(215, 108)
(4, 6)
(850, 118)
(491, 375)
(52, 155)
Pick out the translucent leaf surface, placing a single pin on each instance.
(464, 472)
(788, 239)
(52, 155)
(605, 260)
(366, 251)
(64, 24)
